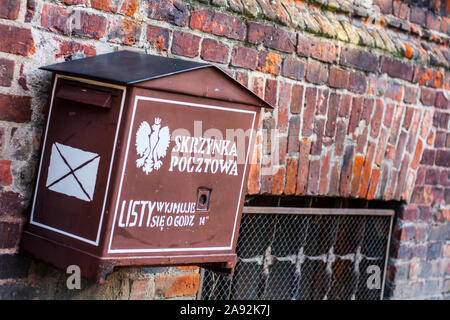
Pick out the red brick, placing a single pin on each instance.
(242, 78)
(105, 5)
(428, 96)
(381, 86)
(357, 172)
(361, 140)
(339, 78)
(367, 110)
(16, 40)
(303, 167)
(258, 86)
(88, 25)
(271, 37)
(2, 142)
(433, 21)
(418, 16)
(293, 134)
(270, 91)
(185, 44)
(384, 5)
(215, 51)
(244, 57)
(357, 82)
(381, 147)
(440, 119)
(278, 181)
(341, 128)
(316, 72)
(316, 148)
(394, 91)
(389, 113)
(428, 157)
(373, 183)
(408, 117)
(344, 106)
(10, 232)
(266, 179)
(324, 181)
(322, 101)
(15, 108)
(314, 175)
(9, 9)
(171, 11)
(129, 7)
(6, 178)
(282, 149)
(333, 107)
(334, 180)
(428, 77)
(443, 158)
(410, 94)
(441, 101)
(396, 68)
(158, 37)
(396, 123)
(439, 140)
(173, 286)
(304, 45)
(346, 171)
(141, 289)
(284, 97)
(217, 23)
(399, 151)
(31, 8)
(375, 124)
(293, 68)
(308, 113)
(291, 176)
(11, 204)
(360, 59)
(401, 9)
(355, 114)
(401, 177)
(123, 31)
(324, 51)
(74, 2)
(67, 48)
(297, 99)
(6, 72)
(367, 170)
(269, 62)
(253, 183)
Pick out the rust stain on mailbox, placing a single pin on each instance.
(144, 162)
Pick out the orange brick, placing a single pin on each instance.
(172, 286)
(357, 170)
(291, 176)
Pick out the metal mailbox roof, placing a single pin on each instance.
(127, 67)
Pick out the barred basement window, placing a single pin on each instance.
(306, 254)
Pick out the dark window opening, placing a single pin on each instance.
(307, 249)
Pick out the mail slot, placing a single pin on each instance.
(144, 163)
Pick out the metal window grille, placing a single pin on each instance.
(306, 254)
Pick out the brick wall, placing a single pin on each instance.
(361, 91)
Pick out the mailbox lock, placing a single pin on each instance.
(203, 196)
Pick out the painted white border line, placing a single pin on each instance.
(137, 98)
(57, 77)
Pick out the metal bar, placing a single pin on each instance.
(386, 259)
(317, 211)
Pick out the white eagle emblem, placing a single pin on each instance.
(151, 146)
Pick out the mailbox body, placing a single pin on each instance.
(142, 173)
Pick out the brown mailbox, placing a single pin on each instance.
(144, 162)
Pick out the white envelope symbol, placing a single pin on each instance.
(72, 171)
